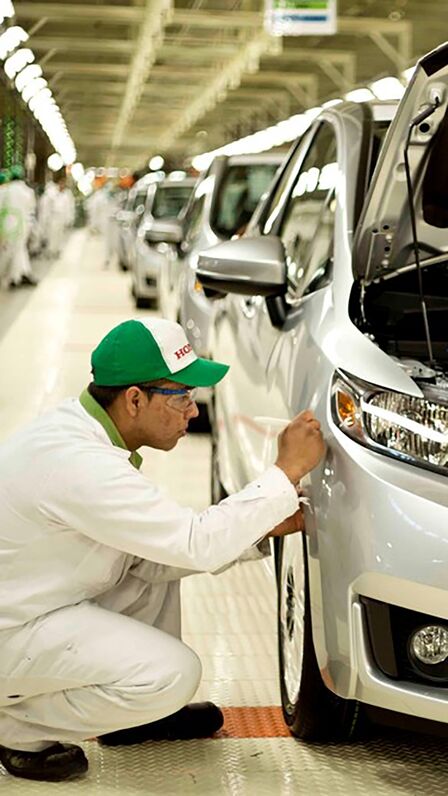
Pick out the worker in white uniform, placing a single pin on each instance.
(57, 215)
(92, 554)
(4, 240)
(19, 210)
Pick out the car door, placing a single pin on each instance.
(256, 397)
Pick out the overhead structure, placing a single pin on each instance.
(134, 76)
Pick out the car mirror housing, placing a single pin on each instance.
(164, 230)
(248, 266)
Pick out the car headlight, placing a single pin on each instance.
(412, 429)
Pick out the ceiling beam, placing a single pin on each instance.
(89, 89)
(85, 44)
(73, 12)
(199, 54)
(339, 65)
(227, 78)
(191, 18)
(85, 68)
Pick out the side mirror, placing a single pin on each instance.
(165, 231)
(249, 266)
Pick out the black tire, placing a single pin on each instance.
(311, 711)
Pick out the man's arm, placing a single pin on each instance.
(100, 496)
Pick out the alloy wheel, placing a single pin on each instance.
(292, 613)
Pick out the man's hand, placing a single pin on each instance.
(291, 525)
(301, 446)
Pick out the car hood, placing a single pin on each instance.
(383, 242)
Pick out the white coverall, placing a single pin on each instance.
(91, 555)
(57, 214)
(19, 207)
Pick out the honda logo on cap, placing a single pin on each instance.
(183, 351)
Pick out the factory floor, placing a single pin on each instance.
(228, 619)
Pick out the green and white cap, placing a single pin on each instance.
(139, 351)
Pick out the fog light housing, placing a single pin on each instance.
(429, 645)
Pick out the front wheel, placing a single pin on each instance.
(311, 711)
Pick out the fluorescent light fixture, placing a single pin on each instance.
(6, 10)
(10, 40)
(55, 162)
(77, 171)
(33, 88)
(27, 75)
(156, 163)
(387, 88)
(18, 61)
(359, 95)
(331, 103)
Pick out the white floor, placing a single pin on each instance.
(229, 619)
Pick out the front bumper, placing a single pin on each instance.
(378, 532)
(374, 687)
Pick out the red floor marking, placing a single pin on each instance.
(262, 722)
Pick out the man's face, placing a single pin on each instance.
(161, 425)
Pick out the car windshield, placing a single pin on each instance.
(169, 200)
(238, 196)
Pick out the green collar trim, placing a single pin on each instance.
(98, 413)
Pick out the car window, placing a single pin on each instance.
(193, 219)
(238, 195)
(276, 199)
(169, 200)
(307, 225)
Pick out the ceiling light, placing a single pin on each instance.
(18, 61)
(156, 163)
(6, 10)
(10, 40)
(388, 88)
(33, 88)
(77, 171)
(55, 162)
(331, 103)
(27, 75)
(359, 95)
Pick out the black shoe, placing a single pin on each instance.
(199, 720)
(54, 764)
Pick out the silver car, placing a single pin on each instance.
(223, 203)
(149, 255)
(221, 206)
(129, 217)
(337, 300)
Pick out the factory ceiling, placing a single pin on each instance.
(178, 77)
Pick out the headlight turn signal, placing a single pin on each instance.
(405, 426)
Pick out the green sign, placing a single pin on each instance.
(301, 17)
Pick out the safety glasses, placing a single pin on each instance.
(180, 399)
